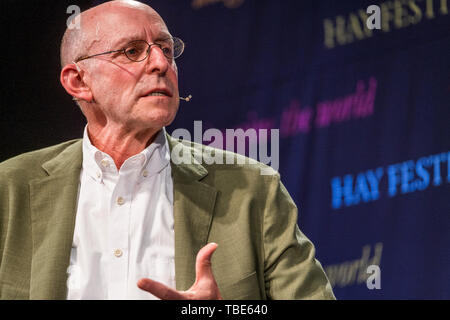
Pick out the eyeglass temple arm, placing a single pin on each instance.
(98, 54)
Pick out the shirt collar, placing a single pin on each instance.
(150, 161)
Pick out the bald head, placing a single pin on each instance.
(77, 42)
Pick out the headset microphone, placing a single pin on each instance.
(187, 99)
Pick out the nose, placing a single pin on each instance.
(156, 61)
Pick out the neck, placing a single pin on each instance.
(121, 143)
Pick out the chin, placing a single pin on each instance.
(161, 118)
(157, 112)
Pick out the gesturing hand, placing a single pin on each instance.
(204, 288)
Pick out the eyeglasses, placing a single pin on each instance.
(139, 50)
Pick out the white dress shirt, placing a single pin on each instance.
(124, 224)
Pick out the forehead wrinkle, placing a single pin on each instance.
(157, 31)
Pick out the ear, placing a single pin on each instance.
(72, 80)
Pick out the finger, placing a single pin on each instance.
(203, 262)
(160, 290)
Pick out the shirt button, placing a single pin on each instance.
(99, 175)
(118, 253)
(105, 163)
(145, 173)
(120, 201)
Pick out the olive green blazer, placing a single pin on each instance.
(261, 255)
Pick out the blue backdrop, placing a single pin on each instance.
(363, 118)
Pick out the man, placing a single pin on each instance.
(111, 216)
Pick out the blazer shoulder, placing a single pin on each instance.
(30, 163)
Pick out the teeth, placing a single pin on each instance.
(157, 94)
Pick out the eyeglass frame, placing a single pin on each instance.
(146, 56)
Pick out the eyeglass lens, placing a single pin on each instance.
(138, 50)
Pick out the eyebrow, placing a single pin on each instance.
(127, 39)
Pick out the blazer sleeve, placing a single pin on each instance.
(291, 270)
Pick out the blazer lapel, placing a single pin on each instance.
(53, 210)
(193, 211)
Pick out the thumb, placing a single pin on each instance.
(203, 262)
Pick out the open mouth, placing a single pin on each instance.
(157, 94)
